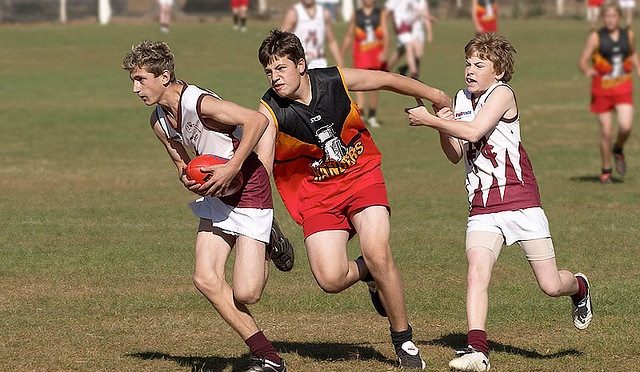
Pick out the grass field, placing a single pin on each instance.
(96, 242)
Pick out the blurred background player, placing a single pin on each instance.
(408, 16)
(593, 12)
(368, 30)
(165, 14)
(187, 119)
(628, 7)
(239, 12)
(504, 201)
(328, 172)
(485, 16)
(609, 57)
(313, 26)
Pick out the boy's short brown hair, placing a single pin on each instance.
(280, 44)
(155, 57)
(494, 48)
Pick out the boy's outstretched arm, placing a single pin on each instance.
(368, 80)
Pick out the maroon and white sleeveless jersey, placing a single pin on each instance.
(220, 140)
(499, 174)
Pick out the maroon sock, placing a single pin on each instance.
(477, 338)
(261, 347)
(582, 290)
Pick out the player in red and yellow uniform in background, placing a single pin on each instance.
(609, 58)
(485, 16)
(368, 30)
(328, 172)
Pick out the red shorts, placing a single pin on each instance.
(338, 217)
(239, 3)
(605, 103)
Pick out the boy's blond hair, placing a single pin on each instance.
(155, 57)
(494, 48)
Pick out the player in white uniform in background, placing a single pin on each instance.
(164, 15)
(505, 207)
(313, 26)
(408, 19)
(628, 8)
(188, 118)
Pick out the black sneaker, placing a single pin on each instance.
(265, 365)
(582, 311)
(280, 249)
(409, 356)
(373, 292)
(621, 164)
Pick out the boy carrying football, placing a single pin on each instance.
(503, 194)
(187, 117)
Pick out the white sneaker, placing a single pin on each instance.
(470, 359)
(373, 122)
(582, 311)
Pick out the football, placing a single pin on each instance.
(194, 173)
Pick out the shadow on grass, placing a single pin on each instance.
(325, 351)
(593, 179)
(459, 341)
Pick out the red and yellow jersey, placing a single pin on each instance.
(323, 150)
(486, 12)
(613, 62)
(368, 39)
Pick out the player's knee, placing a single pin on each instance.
(551, 289)
(247, 296)
(330, 285)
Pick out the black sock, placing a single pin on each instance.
(606, 170)
(372, 113)
(236, 18)
(399, 338)
(243, 21)
(617, 150)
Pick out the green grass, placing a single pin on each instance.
(96, 243)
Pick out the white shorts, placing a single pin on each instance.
(405, 38)
(254, 223)
(627, 4)
(317, 63)
(165, 2)
(418, 32)
(522, 224)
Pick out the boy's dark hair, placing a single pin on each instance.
(280, 44)
(495, 48)
(155, 57)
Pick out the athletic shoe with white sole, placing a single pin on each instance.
(280, 249)
(373, 122)
(265, 365)
(470, 359)
(409, 356)
(582, 311)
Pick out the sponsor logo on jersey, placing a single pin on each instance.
(462, 113)
(327, 168)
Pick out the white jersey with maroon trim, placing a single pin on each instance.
(217, 139)
(406, 13)
(311, 33)
(499, 174)
(192, 132)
